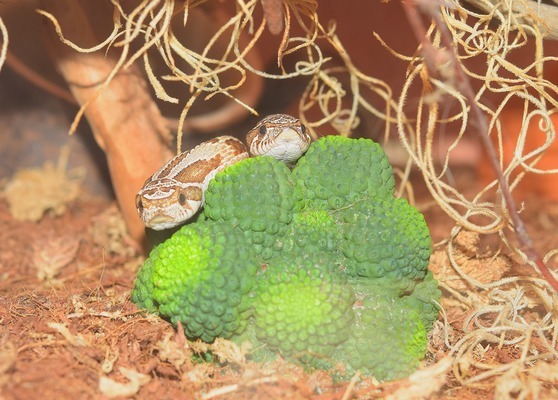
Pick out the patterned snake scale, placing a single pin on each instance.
(175, 193)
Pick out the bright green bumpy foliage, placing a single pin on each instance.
(303, 306)
(337, 172)
(258, 195)
(202, 277)
(389, 336)
(312, 232)
(341, 272)
(374, 230)
(399, 339)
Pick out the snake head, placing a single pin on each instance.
(165, 206)
(280, 136)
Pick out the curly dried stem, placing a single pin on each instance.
(431, 57)
(5, 40)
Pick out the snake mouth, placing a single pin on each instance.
(288, 135)
(160, 222)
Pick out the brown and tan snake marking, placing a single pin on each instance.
(172, 195)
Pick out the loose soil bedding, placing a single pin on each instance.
(69, 330)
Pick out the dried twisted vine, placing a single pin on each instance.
(501, 311)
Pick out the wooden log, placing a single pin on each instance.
(125, 120)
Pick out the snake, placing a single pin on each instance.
(175, 193)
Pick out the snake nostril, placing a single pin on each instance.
(303, 128)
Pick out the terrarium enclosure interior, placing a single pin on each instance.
(97, 95)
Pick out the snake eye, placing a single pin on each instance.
(303, 128)
(139, 203)
(263, 130)
(181, 199)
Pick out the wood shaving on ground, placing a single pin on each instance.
(424, 383)
(74, 340)
(112, 388)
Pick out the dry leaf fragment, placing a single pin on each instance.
(34, 191)
(75, 340)
(173, 352)
(423, 383)
(53, 254)
(8, 355)
(228, 351)
(112, 388)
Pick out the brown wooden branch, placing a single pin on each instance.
(464, 85)
(23, 70)
(125, 121)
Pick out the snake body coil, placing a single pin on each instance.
(175, 193)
